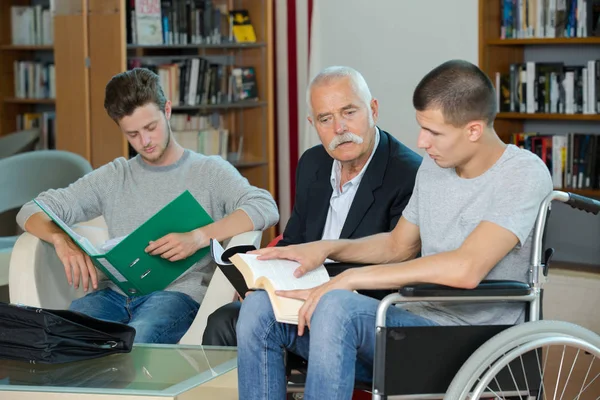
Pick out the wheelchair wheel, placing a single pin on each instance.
(534, 360)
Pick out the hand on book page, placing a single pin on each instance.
(309, 256)
(273, 275)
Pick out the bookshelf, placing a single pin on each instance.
(497, 54)
(110, 51)
(28, 47)
(90, 45)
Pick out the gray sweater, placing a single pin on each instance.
(128, 192)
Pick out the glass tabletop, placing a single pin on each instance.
(158, 370)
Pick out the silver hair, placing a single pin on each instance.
(334, 73)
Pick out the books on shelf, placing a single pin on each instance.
(34, 80)
(125, 261)
(525, 19)
(241, 26)
(245, 271)
(197, 81)
(534, 87)
(177, 22)
(209, 141)
(148, 24)
(573, 158)
(45, 122)
(31, 25)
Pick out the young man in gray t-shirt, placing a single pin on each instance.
(128, 192)
(471, 216)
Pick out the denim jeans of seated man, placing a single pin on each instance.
(339, 346)
(159, 317)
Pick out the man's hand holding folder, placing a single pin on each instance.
(178, 246)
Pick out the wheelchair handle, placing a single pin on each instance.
(584, 203)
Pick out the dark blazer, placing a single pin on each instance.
(383, 193)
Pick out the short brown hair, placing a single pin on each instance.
(132, 89)
(460, 90)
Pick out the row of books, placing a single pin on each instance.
(31, 25)
(573, 159)
(186, 121)
(34, 80)
(523, 19)
(196, 81)
(45, 122)
(204, 134)
(177, 22)
(549, 88)
(208, 141)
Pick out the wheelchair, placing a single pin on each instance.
(536, 359)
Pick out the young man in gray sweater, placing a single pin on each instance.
(128, 192)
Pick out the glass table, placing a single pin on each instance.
(148, 372)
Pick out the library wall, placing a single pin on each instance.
(574, 235)
(393, 44)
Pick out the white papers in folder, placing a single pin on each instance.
(85, 244)
(217, 252)
(110, 243)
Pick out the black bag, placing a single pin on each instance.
(39, 335)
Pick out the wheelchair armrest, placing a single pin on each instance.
(485, 288)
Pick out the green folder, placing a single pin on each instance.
(133, 270)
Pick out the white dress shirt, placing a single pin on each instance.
(341, 200)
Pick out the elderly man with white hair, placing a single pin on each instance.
(355, 184)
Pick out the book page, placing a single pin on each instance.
(217, 252)
(82, 241)
(281, 273)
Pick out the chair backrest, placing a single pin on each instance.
(18, 142)
(274, 242)
(24, 176)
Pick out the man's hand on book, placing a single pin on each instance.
(310, 255)
(78, 266)
(311, 298)
(178, 246)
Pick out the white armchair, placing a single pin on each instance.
(37, 277)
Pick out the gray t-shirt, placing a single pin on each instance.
(128, 192)
(447, 209)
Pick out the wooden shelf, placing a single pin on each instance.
(27, 47)
(197, 46)
(552, 41)
(249, 164)
(223, 106)
(28, 101)
(539, 116)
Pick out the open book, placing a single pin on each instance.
(127, 264)
(272, 275)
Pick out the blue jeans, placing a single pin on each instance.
(339, 347)
(159, 317)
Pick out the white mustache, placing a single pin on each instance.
(345, 138)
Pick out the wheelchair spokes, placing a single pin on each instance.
(533, 361)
